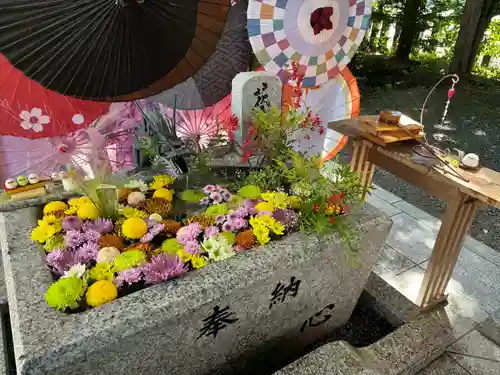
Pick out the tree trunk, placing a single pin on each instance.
(382, 40)
(374, 35)
(475, 20)
(409, 28)
(397, 33)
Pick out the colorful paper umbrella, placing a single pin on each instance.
(213, 81)
(110, 50)
(200, 126)
(335, 100)
(322, 35)
(29, 110)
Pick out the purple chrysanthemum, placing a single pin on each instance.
(61, 261)
(157, 229)
(211, 232)
(216, 197)
(87, 253)
(264, 213)
(192, 247)
(242, 212)
(92, 235)
(249, 205)
(205, 201)
(99, 225)
(227, 196)
(72, 223)
(288, 218)
(74, 238)
(233, 216)
(219, 220)
(148, 237)
(209, 189)
(238, 223)
(128, 277)
(163, 267)
(227, 227)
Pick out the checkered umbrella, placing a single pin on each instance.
(322, 35)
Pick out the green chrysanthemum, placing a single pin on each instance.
(250, 192)
(217, 210)
(102, 271)
(54, 242)
(171, 246)
(129, 259)
(192, 196)
(65, 293)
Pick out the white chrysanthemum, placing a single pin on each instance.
(137, 184)
(78, 270)
(135, 198)
(107, 254)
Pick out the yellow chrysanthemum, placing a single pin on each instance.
(161, 181)
(184, 255)
(164, 194)
(277, 228)
(130, 212)
(262, 234)
(101, 292)
(51, 219)
(55, 206)
(88, 211)
(42, 232)
(134, 228)
(199, 261)
(277, 198)
(264, 206)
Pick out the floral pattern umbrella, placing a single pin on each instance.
(321, 35)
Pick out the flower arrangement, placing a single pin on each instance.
(95, 259)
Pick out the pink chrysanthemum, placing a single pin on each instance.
(209, 189)
(219, 220)
(211, 232)
(99, 225)
(216, 197)
(189, 232)
(74, 238)
(192, 247)
(87, 253)
(162, 268)
(92, 236)
(227, 227)
(128, 277)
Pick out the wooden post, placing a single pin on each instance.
(361, 165)
(455, 226)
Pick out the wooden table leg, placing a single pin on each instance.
(361, 165)
(455, 226)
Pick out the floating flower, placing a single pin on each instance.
(55, 206)
(227, 227)
(74, 238)
(189, 232)
(262, 234)
(209, 189)
(148, 237)
(134, 228)
(111, 240)
(163, 267)
(264, 206)
(171, 227)
(107, 254)
(137, 184)
(211, 231)
(199, 261)
(192, 247)
(33, 120)
(87, 253)
(155, 217)
(91, 235)
(43, 232)
(54, 242)
(100, 225)
(135, 198)
(65, 293)
(191, 196)
(101, 292)
(245, 240)
(277, 199)
(216, 197)
(204, 220)
(161, 181)
(205, 201)
(184, 255)
(293, 202)
(158, 206)
(288, 218)
(102, 271)
(217, 209)
(72, 223)
(77, 270)
(218, 248)
(128, 277)
(249, 192)
(130, 212)
(171, 246)
(164, 194)
(88, 211)
(129, 259)
(60, 261)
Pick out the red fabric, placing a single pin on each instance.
(29, 110)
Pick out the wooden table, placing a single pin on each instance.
(464, 198)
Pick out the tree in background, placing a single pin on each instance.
(475, 20)
(410, 28)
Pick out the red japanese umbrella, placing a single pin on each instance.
(29, 110)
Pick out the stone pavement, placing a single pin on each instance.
(474, 291)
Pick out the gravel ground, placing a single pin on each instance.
(473, 125)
